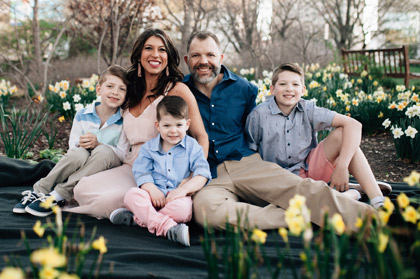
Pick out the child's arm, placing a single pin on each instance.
(200, 169)
(188, 188)
(253, 130)
(76, 131)
(142, 171)
(351, 138)
(123, 146)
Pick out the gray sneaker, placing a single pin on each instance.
(122, 216)
(180, 234)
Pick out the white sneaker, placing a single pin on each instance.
(386, 189)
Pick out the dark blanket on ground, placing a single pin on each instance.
(132, 251)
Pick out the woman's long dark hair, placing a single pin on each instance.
(137, 86)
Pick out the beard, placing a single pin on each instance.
(215, 70)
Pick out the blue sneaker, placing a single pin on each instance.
(36, 209)
(28, 198)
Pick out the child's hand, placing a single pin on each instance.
(340, 179)
(176, 194)
(156, 196)
(88, 141)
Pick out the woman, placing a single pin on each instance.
(153, 74)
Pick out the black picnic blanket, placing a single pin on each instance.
(133, 252)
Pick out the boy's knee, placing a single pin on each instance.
(79, 155)
(104, 154)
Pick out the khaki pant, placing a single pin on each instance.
(263, 190)
(76, 164)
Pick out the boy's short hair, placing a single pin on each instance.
(202, 35)
(114, 70)
(172, 105)
(291, 67)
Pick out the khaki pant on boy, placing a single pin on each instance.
(76, 163)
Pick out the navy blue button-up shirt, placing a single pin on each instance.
(224, 117)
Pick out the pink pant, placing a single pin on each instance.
(159, 222)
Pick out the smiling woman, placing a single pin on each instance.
(153, 74)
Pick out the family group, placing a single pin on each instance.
(159, 148)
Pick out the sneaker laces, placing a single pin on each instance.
(28, 196)
(42, 197)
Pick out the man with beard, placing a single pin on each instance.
(244, 185)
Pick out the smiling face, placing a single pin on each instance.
(288, 90)
(112, 91)
(172, 130)
(204, 60)
(154, 57)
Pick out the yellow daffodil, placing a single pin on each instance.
(359, 223)
(100, 244)
(283, 234)
(48, 203)
(68, 276)
(38, 228)
(338, 223)
(303, 256)
(48, 272)
(297, 201)
(12, 273)
(375, 83)
(388, 205)
(48, 257)
(383, 242)
(63, 94)
(381, 114)
(61, 119)
(384, 217)
(403, 200)
(259, 236)
(296, 225)
(410, 214)
(413, 179)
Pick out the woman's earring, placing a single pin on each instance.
(167, 70)
(139, 70)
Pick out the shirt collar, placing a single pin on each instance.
(157, 147)
(274, 108)
(92, 110)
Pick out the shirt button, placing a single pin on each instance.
(169, 153)
(212, 123)
(290, 157)
(212, 106)
(287, 118)
(212, 140)
(169, 169)
(288, 144)
(287, 131)
(217, 151)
